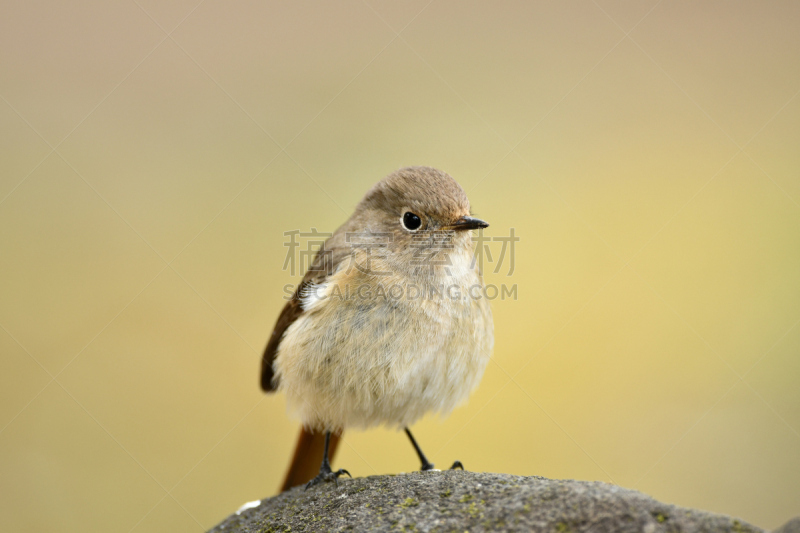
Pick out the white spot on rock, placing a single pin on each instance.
(248, 505)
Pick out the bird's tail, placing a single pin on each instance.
(307, 457)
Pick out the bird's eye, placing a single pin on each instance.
(411, 221)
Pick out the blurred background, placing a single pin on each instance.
(154, 153)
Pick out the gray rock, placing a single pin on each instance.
(469, 501)
(792, 526)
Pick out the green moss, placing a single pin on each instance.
(474, 507)
(445, 494)
(562, 527)
(473, 510)
(661, 518)
(410, 502)
(738, 527)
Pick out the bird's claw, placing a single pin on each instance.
(427, 467)
(327, 477)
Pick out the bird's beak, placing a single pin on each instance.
(467, 222)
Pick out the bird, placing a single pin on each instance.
(389, 323)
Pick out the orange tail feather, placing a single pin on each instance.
(307, 458)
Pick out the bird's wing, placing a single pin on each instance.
(291, 312)
(330, 255)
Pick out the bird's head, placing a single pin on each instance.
(422, 218)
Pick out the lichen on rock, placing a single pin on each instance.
(469, 501)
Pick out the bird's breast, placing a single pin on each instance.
(371, 350)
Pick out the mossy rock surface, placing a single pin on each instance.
(469, 501)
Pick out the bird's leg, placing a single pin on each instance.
(325, 472)
(427, 465)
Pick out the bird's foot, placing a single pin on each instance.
(429, 466)
(327, 475)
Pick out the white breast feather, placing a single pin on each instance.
(365, 368)
(312, 294)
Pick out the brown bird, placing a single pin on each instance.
(388, 324)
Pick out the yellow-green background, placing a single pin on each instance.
(153, 154)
